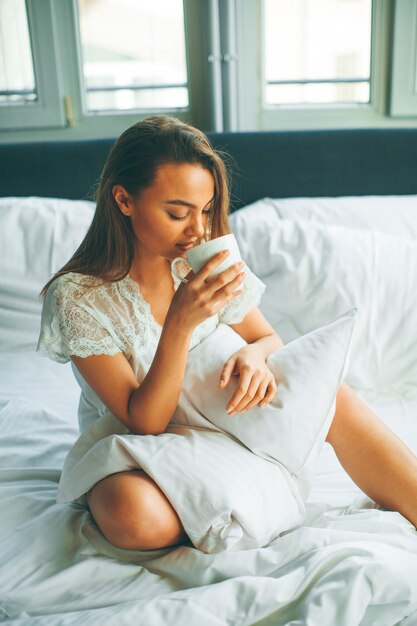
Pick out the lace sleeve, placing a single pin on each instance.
(236, 310)
(70, 325)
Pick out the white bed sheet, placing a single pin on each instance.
(30, 376)
(347, 565)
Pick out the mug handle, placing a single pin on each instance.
(174, 271)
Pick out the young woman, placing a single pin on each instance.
(127, 324)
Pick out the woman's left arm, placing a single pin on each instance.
(256, 381)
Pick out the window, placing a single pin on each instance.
(30, 83)
(74, 69)
(136, 59)
(92, 79)
(317, 52)
(310, 64)
(17, 78)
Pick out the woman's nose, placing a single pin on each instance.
(197, 227)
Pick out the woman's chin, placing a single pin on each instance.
(180, 253)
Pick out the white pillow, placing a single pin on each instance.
(37, 236)
(227, 497)
(313, 272)
(393, 215)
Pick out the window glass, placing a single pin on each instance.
(17, 79)
(133, 54)
(317, 51)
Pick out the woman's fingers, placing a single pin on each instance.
(258, 397)
(222, 282)
(211, 294)
(245, 391)
(211, 265)
(223, 296)
(271, 393)
(227, 372)
(197, 299)
(259, 392)
(225, 278)
(240, 391)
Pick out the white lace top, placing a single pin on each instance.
(81, 319)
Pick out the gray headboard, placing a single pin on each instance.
(275, 164)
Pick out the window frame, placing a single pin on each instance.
(112, 115)
(114, 122)
(60, 115)
(48, 110)
(254, 115)
(75, 121)
(403, 95)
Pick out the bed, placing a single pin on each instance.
(328, 220)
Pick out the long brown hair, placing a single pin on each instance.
(107, 250)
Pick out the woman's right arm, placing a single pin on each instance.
(147, 409)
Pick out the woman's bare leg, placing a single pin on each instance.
(133, 513)
(375, 458)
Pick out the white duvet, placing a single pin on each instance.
(346, 565)
(350, 563)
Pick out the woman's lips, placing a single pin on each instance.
(185, 247)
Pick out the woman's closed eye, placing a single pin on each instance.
(176, 217)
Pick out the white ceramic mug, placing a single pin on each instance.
(200, 255)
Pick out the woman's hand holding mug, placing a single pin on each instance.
(215, 279)
(198, 256)
(204, 293)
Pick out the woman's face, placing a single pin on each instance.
(173, 210)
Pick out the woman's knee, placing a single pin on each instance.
(132, 513)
